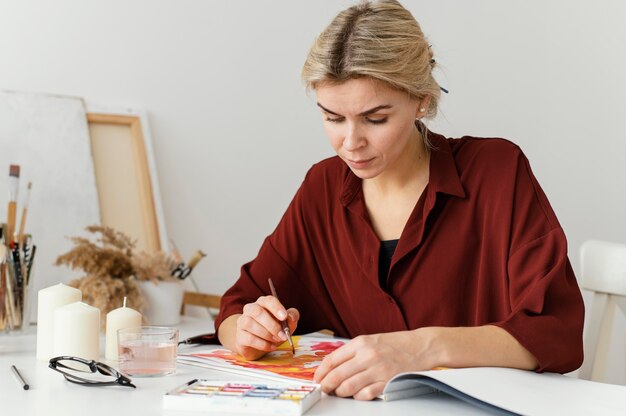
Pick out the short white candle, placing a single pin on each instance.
(119, 318)
(48, 300)
(77, 331)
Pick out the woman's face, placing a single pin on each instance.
(370, 125)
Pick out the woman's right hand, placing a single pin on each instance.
(259, 330)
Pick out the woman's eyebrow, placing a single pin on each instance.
(364, 113)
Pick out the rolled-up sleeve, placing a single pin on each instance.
(547, 310)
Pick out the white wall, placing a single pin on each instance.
(234, 132)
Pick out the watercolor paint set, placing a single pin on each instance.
(222, 397)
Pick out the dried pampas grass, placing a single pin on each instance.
(155, 267)
(112, 269)
(109, 256)
(107, 293)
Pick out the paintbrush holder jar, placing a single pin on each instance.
(164, 301)
(15, 304)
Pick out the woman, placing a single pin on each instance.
(426, 251)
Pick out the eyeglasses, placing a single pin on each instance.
(75, 368)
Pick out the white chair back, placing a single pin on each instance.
(603, 269)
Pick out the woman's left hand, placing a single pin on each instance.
(362, 367)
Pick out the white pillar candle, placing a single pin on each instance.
(48, 300)
(119, 318)
(77, 331)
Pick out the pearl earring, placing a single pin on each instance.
(422, 109)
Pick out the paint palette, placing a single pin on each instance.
(221, 397)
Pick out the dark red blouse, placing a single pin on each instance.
(482, 246)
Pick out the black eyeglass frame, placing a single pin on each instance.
(94, 366)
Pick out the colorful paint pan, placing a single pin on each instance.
(253, 398)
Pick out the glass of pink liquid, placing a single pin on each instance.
(147, 351)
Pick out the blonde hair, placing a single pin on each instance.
(376, 39)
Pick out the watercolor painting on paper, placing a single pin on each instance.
(276, 365)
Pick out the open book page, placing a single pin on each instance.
(511, 391)
(279, 365)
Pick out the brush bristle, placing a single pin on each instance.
(14, 170)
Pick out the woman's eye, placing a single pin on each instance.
(377, 120)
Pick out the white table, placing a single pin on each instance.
(50, 394)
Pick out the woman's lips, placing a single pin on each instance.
(359, 163)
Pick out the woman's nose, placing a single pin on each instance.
(353, 138)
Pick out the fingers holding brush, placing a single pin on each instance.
(273, 316)
(260, 321)
(259, 329)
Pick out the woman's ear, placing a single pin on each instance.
(422, 106)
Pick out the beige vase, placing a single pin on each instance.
(164, 300)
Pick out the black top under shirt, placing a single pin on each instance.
(387, 248)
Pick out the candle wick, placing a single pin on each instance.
(124, 301)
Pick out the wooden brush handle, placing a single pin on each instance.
(20, 235)
(11, 220)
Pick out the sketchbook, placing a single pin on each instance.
(509, 391)
(279, 365)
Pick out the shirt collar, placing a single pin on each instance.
(443, 176)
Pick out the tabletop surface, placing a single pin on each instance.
(51, 395)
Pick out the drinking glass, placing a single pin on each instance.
(147, 351)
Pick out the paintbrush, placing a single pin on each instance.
(14, 182)
(18, 268)
(182, 270)
(195, 259)
(31, 258)
(284, 323)
(9, 277)
(20, 235)
(12, 317)
(3, 315)
(6, 241)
